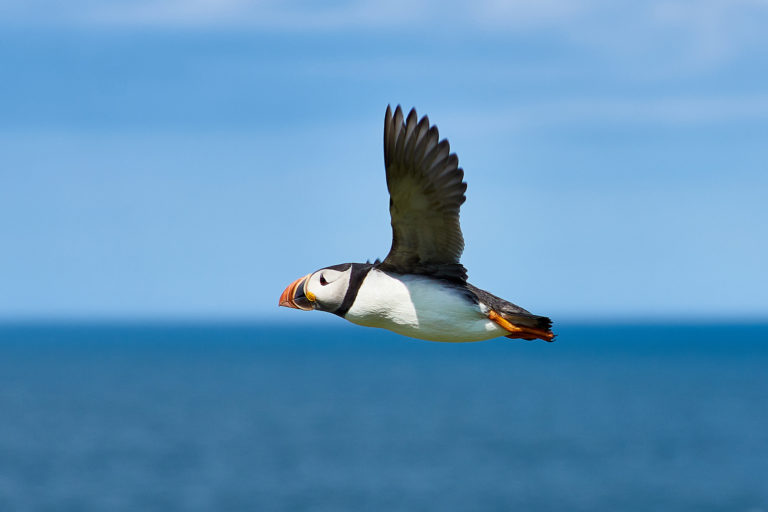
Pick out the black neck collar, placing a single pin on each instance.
(356, 277)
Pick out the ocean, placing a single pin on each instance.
(248, 417)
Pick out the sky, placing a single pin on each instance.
(189, 159)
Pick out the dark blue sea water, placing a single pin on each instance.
(259, 418)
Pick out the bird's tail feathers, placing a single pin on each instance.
(532, 326)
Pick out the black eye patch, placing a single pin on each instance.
(323, 282)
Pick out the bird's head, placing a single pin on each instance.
(323, 290)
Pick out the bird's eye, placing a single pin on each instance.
(323, 282)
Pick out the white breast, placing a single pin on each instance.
(420, 307)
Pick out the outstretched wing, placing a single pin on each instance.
(426, 191)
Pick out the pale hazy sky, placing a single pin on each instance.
(190, 159)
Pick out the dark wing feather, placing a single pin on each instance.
(426, 191)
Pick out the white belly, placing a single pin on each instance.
(420, 307)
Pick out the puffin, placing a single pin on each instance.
(420, 289)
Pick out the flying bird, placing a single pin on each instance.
(420, 289)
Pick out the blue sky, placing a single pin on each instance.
(190, 159)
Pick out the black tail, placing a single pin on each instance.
(535, 326)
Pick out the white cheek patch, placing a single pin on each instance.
(331, 295)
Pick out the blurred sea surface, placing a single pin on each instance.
(234, 417)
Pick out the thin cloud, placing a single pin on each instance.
(705, 32)
(624, 111)
(488, 14)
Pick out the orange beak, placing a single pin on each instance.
(294, 296)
